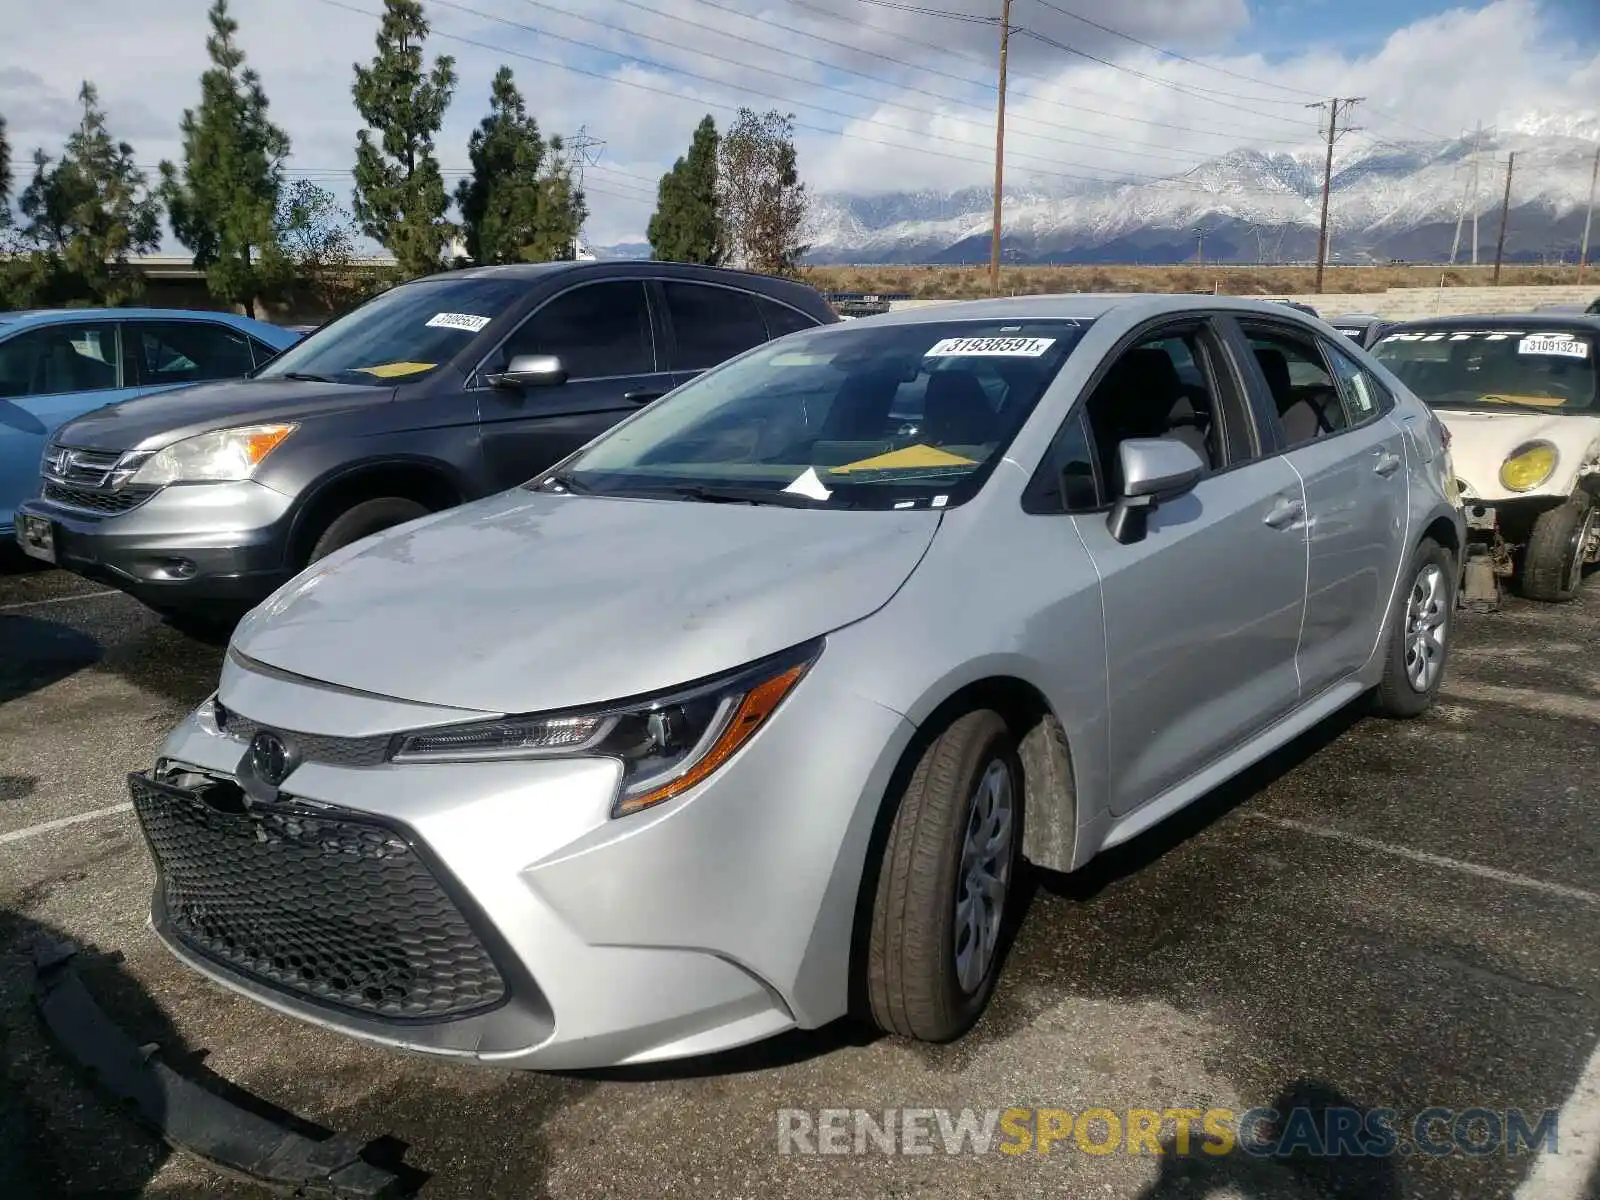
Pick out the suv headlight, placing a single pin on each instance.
(221, 456)
(1529, 465)
(666, 743)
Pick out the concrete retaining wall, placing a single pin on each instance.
(1406, 304)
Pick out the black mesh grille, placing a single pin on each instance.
(96, 501)
(322, 903)
(312, 747)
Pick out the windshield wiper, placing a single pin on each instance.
(561, 483)
(724, 494)
(306, 377)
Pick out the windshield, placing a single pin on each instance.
(403, 334)
(1494, 369)
(885, 416)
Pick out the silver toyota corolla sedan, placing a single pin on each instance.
(746, 715)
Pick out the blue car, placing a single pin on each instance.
(56, 364)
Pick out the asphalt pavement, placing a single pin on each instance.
(1385, 915)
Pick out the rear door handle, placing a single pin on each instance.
(1285, 512)
(644, 396)
(1387, 464)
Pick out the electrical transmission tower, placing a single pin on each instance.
(583, 150)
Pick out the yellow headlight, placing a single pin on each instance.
(1528, 466)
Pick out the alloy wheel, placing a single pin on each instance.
(1427, 625)
(986, 856)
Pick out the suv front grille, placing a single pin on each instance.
(95, 501)
(333, 906)
(312, 747)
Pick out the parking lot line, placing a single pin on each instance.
(21, 835)
(1566, 1174)
(1434, 860)
(59, 599)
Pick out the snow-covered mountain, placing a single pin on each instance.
(1390, 200)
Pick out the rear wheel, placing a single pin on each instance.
(949, 867)
(1419, 634)
(364, 520)
(1552, 564)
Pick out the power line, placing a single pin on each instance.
(974, 18)
(853, 118)
(1182, 89)
(1170, 53)
(951, 52)
(1188, 158)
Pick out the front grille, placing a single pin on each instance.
(312, 747)
(96, 501)
(91, 467)
(323, 903)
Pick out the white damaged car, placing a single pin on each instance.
(1520, 397)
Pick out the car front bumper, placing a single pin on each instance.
(188, 545)
(718, 918)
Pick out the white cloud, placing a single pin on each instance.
(1068, 117)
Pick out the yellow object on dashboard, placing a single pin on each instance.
(394, 370)
(911, 457)
(1535, 401)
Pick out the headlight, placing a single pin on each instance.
(1528, 466)
(224, 455)
(666, 744)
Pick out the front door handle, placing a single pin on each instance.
(1387, 464)
(1285, 512)
(643, 396)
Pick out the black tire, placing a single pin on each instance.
(1552, 563)
(365, 519)
(1396, 695)
(911, 975)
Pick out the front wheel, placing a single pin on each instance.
(364, 520)
(1419, 634)
(1552, 565)
(946, 881)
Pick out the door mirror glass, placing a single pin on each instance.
(1158, 466)
(530, 370)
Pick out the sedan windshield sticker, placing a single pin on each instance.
(467, 322)
(808, 484)
(991, 347)
(1563, 344)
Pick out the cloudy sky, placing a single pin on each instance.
(888, 95)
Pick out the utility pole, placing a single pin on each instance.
(1588, 217)
(1200, 245)
(1505, 213)
(999, 149)
(1469, 200)
(1327, 175)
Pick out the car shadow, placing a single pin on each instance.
(36, 653)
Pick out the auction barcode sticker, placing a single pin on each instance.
(991, 347)
(470, 322)
(1563, 344)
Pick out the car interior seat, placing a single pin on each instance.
(1297, 416)
(956, 411)
(60, 368)
(1138, 398)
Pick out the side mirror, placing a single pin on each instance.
(1153, 469)
(529, 370)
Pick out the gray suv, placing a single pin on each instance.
(439, 391)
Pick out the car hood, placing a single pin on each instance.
(527, 601)
(151, 422)
(1481, 441)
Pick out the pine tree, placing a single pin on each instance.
(91, 210)
(400, 198)
(686, 226)
(223, 207)
(763, 202)
(520, 205)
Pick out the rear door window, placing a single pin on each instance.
(782, 319)
(80, 356)
(711, 324)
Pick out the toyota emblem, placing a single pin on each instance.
(269, 758)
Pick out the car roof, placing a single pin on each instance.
(1558, 322)
(1087, 306)
(30, 317)
(625, 267)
